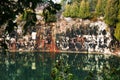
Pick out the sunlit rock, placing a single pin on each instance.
(107, 50)
(33, 35)
(119, 53)
(68, 19)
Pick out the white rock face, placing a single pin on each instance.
(100, 38)
(107, 50)
(33, 35)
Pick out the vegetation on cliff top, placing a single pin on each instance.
(109, 9)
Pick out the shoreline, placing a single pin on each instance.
(68, 52)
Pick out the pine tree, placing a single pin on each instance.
(92, 4)
(74, 10)
(112, 17)
(117, 32)
(84, 11)
(9, 9)
(118, 16)
(76, 1)
(99, 8)
(111, 11)
(66, 13)
(87, 8)
(104, 2)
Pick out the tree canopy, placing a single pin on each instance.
(81, 10)
(49, 13)
(99, 8)
(109, 9)
(117, 32)
(10, 9)
(71, 10)
(111, 12)
(84, 11)
(112, 16)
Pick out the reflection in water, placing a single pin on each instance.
(44, 66)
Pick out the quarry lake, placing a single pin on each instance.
(58, 66)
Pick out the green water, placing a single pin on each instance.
(59, 66)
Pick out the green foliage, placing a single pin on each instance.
(10, 8)
(84, 11)
(49, 17)
(74, 10)
(112, 74)
(66, 13)
(99, 8)
(117, 32)
(30, 19)
(77, 10)
(111, 12)
(118, 16)
(49, 13)
(10, 26)
(92, 4)
(90, 76)
(61, 70)
(76, 1)
(29, 15)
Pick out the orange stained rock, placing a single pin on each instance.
(53, 47)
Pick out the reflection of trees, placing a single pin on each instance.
(63, 66)
(61, 69)
(19, 67)
(113, 70)
(91, 66)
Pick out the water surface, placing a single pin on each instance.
(58, 66)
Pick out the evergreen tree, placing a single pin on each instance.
(118, 16)
(49, 13)
(84, 11)
(92, 4)
(104, 2)
(87, 8)
(76, 1)
(111, 11)
(66, 13)
(117, 32)
(74, 10)
(9, 9)
(99, 8)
